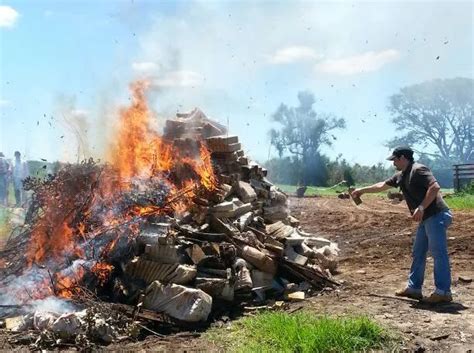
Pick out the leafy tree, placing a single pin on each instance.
(340, 170)
(283, 170)
(288, 170)
(347, 173)
(438, 114)
(326, 172)
(370, 174)
(303, 131)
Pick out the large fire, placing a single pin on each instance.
(139, 159)
(139, 151)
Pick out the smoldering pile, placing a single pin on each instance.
(233, 243)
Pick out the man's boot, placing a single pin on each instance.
(436, 298)
(409, 293)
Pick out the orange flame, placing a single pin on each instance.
(102, 271)
(67, 286)
(139, 150)
(51, 242)
(139, 153)
(205, 171)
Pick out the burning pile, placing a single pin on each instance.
(171, 224)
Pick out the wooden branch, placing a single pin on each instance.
(153, 332)
(53, 287)
(207, 236)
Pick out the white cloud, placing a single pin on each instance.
(293, 54)
(180, 78)
(144, 67)
(8, 16)
(366, 62)
(4, 103)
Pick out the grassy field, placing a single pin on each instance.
(460, 202)
(5, 228)
(312, 190)
(333, 191)
(454, 201)
(302, 332)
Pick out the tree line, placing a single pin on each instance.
(435, 118)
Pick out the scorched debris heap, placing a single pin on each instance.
(168, 224)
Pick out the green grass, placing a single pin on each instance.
(320, 191)
(311, 190)
(460, 201)
(454, 201)
(5, 227)
(302, 332)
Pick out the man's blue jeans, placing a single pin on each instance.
(431, 235)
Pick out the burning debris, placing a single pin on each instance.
(166, 231)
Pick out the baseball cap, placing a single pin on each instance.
(401, 151)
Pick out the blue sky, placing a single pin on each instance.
(65, 66)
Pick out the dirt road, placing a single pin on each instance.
(375, 241)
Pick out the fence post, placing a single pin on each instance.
(456, 179)
(462, 174)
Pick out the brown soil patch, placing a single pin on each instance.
(375, 239)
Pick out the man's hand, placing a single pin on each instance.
(418, 214)
(356, 193)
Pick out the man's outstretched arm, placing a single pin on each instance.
(378, 187)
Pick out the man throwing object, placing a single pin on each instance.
(426, 205)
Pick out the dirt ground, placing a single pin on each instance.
(375, 239)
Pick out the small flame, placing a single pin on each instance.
(205, 170)
(50, 241)
(102, 271)
(66, 286)
(149, 210)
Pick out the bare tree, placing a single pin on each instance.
(438, 114)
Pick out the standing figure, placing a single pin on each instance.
(4, 170)
(427, 207)
(19, 173)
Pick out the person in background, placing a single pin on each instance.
(19, 174)
(427, 207)
(4, 170)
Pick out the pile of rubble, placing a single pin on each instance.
(240, 243)
(236, 244)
